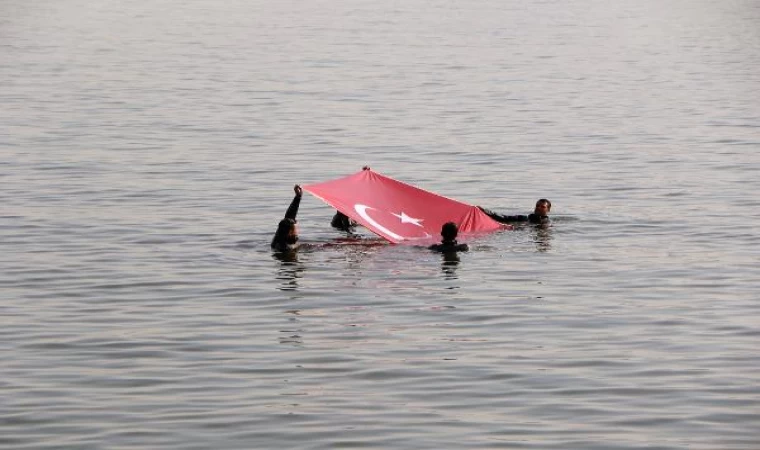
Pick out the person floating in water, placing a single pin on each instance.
(286, 236)
(342, 222)
(540, 214)
(449, 244)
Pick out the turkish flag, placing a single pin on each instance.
(399, 212)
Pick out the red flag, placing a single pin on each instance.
(397, 211)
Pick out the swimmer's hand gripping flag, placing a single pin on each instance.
(399, 212)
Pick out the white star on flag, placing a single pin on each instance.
(406, 219)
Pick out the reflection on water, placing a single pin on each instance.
(353, 250)
(449, 265)
(290, 270)
(542, 237)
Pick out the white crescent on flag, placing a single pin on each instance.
(362, 211)
(399, 212)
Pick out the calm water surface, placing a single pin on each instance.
(149, 149)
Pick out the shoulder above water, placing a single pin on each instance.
(443, 248)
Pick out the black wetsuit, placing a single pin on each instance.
(280, 240)
(343, 222)
(292, 211)
(534, 219)
(449, 246)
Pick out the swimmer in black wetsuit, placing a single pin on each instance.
(449, 244)
(286, 236)
(540, 214)
(342, 222)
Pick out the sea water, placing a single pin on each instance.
(149, 148)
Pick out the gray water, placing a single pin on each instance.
(148, 149)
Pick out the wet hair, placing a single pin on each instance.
(342, 222)
(280, 238)
(543, 200)
(449, 231)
